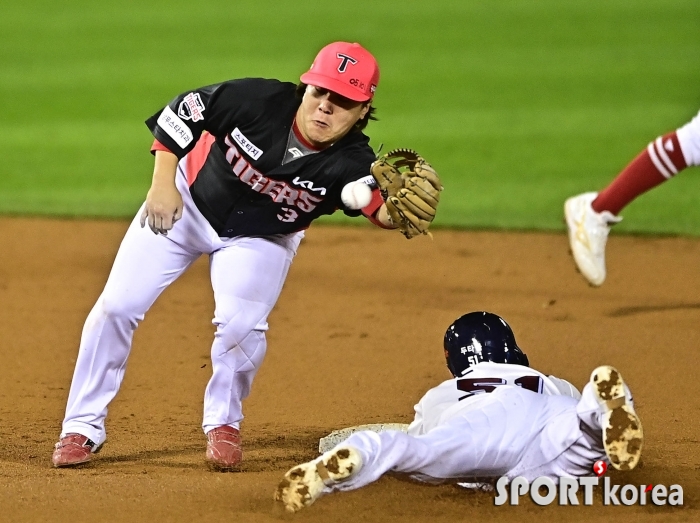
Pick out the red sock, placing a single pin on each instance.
(660, 161)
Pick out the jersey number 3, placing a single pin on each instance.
(289, 215)
(482, 385)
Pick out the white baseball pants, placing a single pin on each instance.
(689, 139)
(247, 275)
(512, 432)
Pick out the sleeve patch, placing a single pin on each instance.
(191, 108)
(369, 180)
(175, 127)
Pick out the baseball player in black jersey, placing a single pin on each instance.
(242, 168)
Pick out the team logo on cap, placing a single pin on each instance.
(344, 60)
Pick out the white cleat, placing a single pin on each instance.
(588, 234)
(622, 430)
(305, 483)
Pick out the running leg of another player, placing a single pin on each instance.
(590, 215)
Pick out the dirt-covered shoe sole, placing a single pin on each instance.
(622, 430)
(304, 484)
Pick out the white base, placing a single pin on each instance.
(337, 436)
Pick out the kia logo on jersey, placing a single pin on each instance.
(344, 60)
(308, 184)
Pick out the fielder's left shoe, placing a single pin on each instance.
(305, 483)
(224, 452)
(622, 430)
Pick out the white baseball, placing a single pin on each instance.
(356, 195)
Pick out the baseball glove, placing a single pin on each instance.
(410, 188)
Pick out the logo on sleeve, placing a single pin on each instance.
(174, 127)
(191, 108)
(369, 180)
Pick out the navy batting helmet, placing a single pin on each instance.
(480, 336)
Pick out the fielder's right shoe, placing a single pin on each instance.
(305, 483)
(588, 234)
(622, 430)
(224, 452)
(74, 449)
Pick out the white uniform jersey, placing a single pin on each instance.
(497, 420)
(468, 392)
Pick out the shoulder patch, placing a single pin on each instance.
(174, 127)
(191, 108)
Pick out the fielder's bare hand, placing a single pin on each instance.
(163, 203)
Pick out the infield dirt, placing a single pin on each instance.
(355, 338)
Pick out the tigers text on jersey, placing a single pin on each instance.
(467, 392)
(235, 136)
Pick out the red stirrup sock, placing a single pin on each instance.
(660, 161)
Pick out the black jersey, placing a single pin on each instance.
(241, 185)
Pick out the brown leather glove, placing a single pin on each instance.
(410, 188)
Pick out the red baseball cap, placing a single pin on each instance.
(344, 68)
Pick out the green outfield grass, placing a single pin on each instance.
(519, 104)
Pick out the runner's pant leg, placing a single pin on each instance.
(484, 441)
